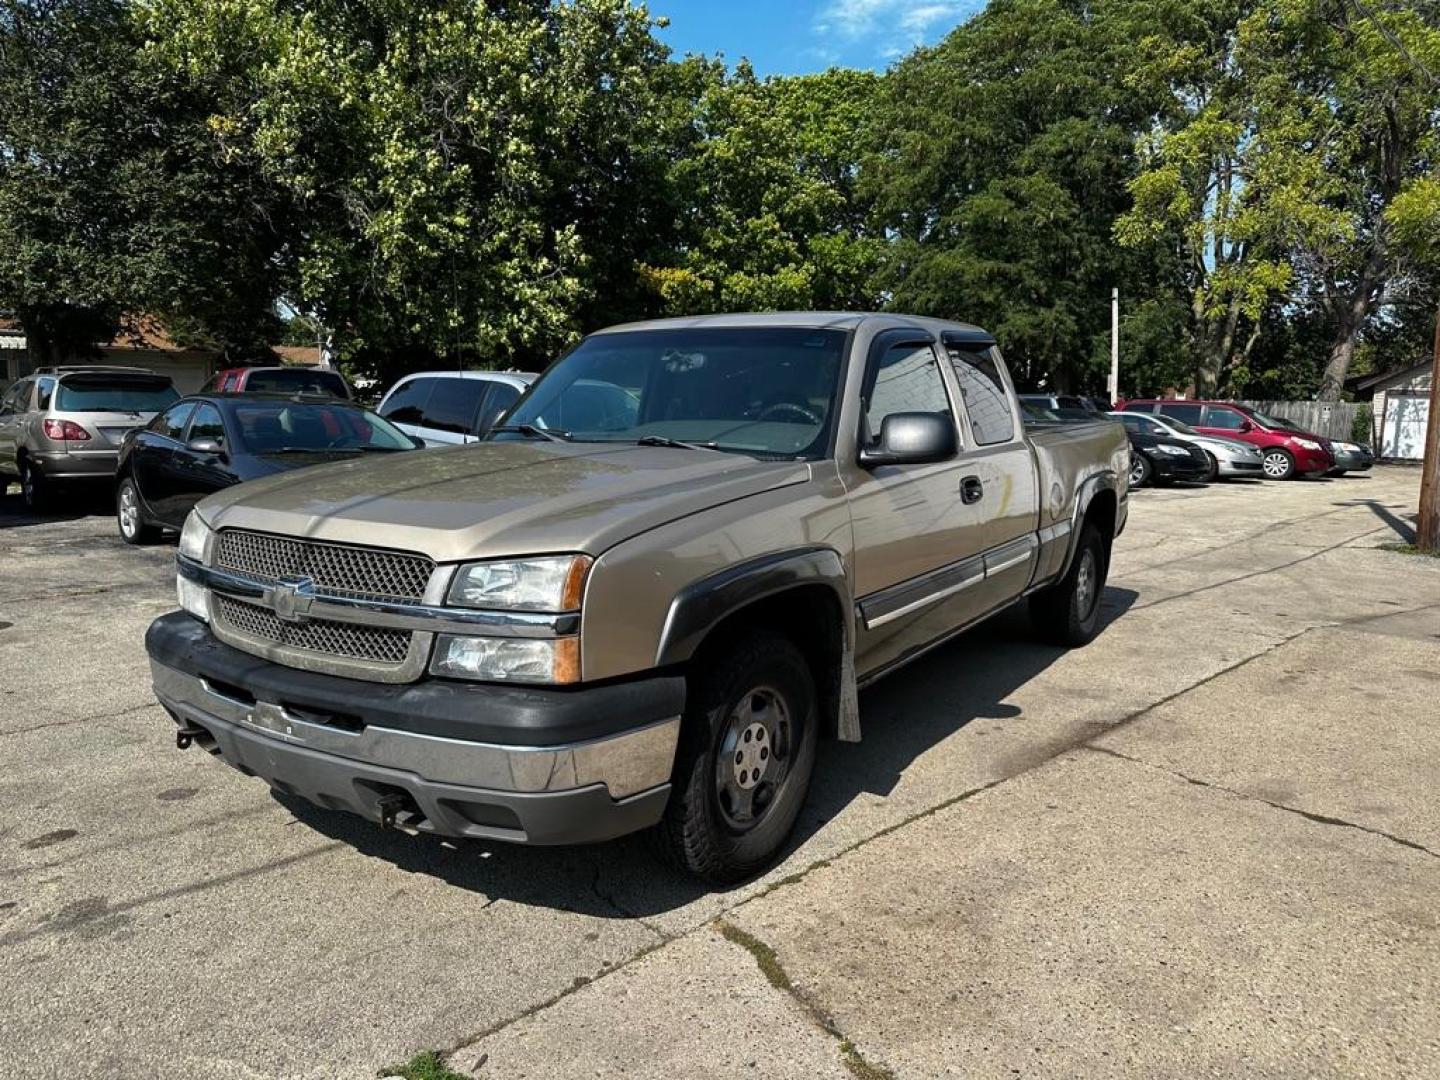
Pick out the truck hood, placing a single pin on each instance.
(496, 499)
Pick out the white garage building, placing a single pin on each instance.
(1401, 410)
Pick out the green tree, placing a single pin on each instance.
(764, 192)
(998, 170)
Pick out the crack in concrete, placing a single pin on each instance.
(768, 961)
(1258, 573)
(81, 719)
(1308, 815)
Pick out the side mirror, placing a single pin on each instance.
(911, 438)
(207, 446)
(1245, 426)
(417, 442)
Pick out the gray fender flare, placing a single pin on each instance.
(701, 606)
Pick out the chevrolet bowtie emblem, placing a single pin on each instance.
(291, 599)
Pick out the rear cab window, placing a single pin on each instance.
(983, 390)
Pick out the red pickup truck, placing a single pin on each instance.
(1286, 451)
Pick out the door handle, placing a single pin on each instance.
(971, 490)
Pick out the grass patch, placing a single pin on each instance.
(1411, 549)
(765, 957)
(859, 1067)
(424, 1066)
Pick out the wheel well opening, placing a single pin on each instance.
(811, 617)
(1102, 510)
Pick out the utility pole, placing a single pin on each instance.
(1427, 531)
(1114, 346)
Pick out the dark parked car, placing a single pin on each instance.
(211, 441)
(1158, 460)
(1349, 456)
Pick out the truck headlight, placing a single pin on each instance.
(193, 537)
(523, 660)
(191, 595)
(1307, 444)
(550, 583)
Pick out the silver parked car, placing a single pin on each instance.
(66, 424)
(449, 407)
(1228, 457)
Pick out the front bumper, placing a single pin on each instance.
(1172, 467)
(76, 464)
(1240, 466)
(466, 760)
(1353, 461)
(1310, 461)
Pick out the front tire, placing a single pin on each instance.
(1214, 472)
(130, 518)
(1278, 465)
(743, 766)
(1141, 471)
(1068, 612)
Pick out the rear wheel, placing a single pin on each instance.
(1278, 464)
(130, 518)
(37, 491)
(1068, 612)
(743, 767)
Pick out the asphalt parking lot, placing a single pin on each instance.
(1207, 844)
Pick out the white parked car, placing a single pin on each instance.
(1228, 457)
(449, 407)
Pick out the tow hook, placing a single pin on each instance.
(390, 807)
(187, 735)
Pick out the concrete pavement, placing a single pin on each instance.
(1205, 844)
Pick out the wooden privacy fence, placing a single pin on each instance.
(1333, 419)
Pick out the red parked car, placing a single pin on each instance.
(279, 380)
(1286, 451)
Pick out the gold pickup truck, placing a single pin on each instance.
(641, 602)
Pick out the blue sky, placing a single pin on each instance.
(790, 37)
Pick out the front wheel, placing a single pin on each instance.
(1278, 465)
(1140, 470)
(1213, 473)
(1068, 612)
(746, 754)
(128, 516)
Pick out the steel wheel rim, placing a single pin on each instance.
(752, 764)
(129, 512)
(1276, 465)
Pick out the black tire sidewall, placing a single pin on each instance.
(762, 659)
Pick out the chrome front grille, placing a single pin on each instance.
(369, 643)
(336, 569)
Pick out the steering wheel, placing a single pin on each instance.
(783, 408)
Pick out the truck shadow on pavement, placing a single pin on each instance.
(902, 718)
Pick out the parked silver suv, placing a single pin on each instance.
(66, 424)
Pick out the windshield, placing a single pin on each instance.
(768, 392)
(111, 393)
(1267, 421)
(281, 427)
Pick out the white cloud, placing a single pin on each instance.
(895, 26)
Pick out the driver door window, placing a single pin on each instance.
(906, 379)
(1224, 419)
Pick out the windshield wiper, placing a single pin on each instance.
(665, 440)
(530, 431)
